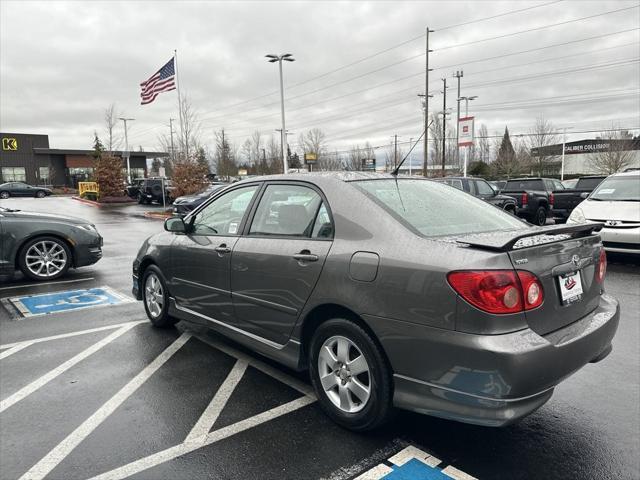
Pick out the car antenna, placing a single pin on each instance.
(397, 169)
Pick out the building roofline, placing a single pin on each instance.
(64, 151)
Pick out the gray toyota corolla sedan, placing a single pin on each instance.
(391, 292)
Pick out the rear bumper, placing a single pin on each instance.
(560, 213)
(490, 380)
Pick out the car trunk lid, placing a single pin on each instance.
(564, 258)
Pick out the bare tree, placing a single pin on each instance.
(482, 148)
(393, 157)
(113, 140)
(542, 136)
(354, 159)
(615, 155)
(224, 157)
(189, 138)
(274, 155)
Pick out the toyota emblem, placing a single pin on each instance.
(612, 223)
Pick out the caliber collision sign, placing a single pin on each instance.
(465, 129)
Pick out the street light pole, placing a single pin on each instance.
(287, 57)
(126, 145)
(466, 114)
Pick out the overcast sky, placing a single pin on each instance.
(62, 63)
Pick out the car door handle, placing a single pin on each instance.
(306, 256)
(223, 249)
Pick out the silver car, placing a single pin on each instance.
(616, 203)
(390, 291)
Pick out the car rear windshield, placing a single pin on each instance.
(588, 183)
(524, 185)
(618, 189)
(436, 209)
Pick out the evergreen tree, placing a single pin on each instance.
(507, 162)
(98, 148)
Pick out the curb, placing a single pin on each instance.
(88, 202)
(158, 215)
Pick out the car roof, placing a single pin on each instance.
(633, 173)
(326, 177)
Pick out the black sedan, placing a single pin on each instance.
(45, 245)
(20, 189)
(185, 204)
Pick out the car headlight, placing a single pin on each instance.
(88, 227)
(577, 216)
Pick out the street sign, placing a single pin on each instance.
(465, 132)
(310, 158)
(369, 164)
(32, 305)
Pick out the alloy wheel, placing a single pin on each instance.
(46, 258)
(4, 195)
(154, 295)
(344, 374)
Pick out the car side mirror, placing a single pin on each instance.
(175, 225)
(584, 195)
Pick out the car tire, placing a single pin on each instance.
(540, 217)
(356, 395)
(140, 199)
(155, 297)
(40, 194)
(49, 253)
(4, 195)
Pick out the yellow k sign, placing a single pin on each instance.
(9, 144)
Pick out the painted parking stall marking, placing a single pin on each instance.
(411, 463)
(43, 304)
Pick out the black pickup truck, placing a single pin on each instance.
(479, 187)
(565, 200)
(534, 197)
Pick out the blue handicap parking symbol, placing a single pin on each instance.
(68, 300)
(415, 470)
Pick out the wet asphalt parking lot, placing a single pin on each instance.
(98, 393)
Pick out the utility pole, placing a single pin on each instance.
(444, 125)
(126, 145)
(224, 152)
(426, 107)
(264, 162)
(173, 152)
(411, 155)
(395, 150)
(458, 75)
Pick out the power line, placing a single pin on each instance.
(412, 88)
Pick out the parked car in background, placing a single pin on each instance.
(498, 184)
(533, 196)
(45, 245)
(183, 205)
(616, 203)
(565, 200)
(147, 190)
(571, 183)
(479, 187)
(21, 189)
(391, 291)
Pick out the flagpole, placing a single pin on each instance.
(175, 59)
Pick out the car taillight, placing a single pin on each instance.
(498, 291)
(551, 199)
(602, 266)
(525, 199)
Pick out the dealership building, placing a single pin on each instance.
(28, 158)
(581, 157)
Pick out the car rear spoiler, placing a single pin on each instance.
(504, 241)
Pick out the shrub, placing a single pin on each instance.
(188, 177)
(108, 174)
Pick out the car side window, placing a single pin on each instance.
(224, 215)
(483, 188)
(286, 210)
(455, 183)
(323, 227)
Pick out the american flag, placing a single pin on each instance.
(163, 80)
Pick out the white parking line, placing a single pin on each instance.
(39, 284)
(220, 399)
(64, 448)
(36, 384)
(14, 349)
(213, 437)
(70, 334)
